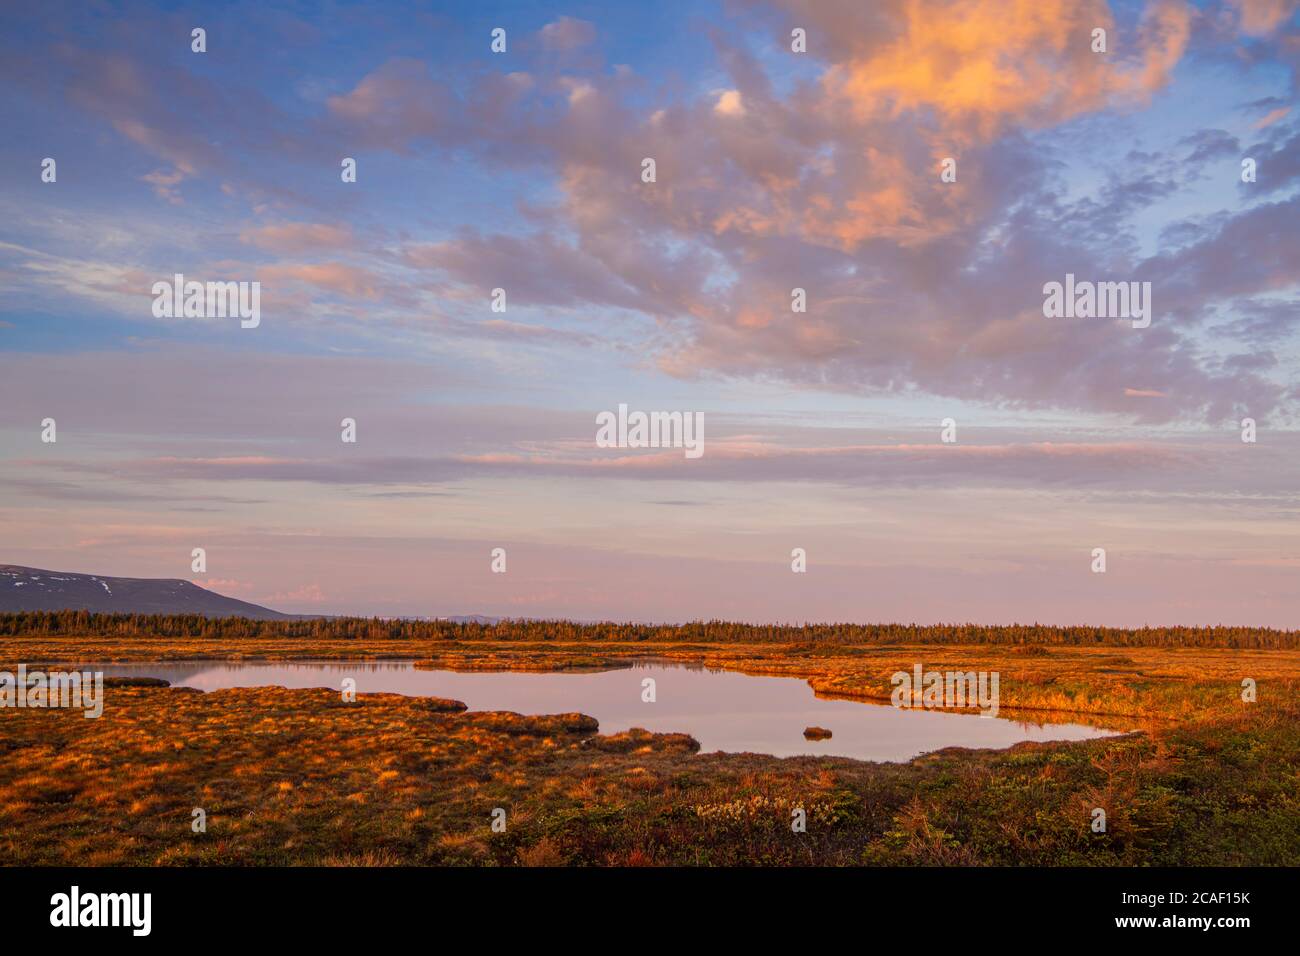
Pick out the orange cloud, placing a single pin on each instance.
(983, 65)
(1272, 117)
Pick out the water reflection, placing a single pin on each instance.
(723, 710)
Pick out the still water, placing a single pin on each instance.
(723, 710)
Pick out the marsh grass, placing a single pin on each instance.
(300, 777)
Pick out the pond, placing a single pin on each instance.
(723, 710)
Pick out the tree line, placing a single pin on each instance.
(182, 626)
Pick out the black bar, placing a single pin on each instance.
(939, 906)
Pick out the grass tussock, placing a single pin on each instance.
(301, 777)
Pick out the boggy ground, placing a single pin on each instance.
(301, 777)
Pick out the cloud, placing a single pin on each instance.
(834, 189)
(394, 103)
(827, 182)
(337, 277)
(1277, 160)
(566, 34)
(982, 67)
(730, 103)
(535, 270)
(292, 238)
(165, 183)
(1193, 467)
(166, 113)
(1262, 17)
(1272, 116)
(1210, 144)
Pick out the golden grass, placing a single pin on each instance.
(300, 777)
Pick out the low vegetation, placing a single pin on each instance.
(301, 777)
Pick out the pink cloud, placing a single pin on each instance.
(1262, 17)
(337, 277)
(567, 33)
(298, 237)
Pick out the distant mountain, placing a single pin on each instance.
(32, 589)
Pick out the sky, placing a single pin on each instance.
(775, 168)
